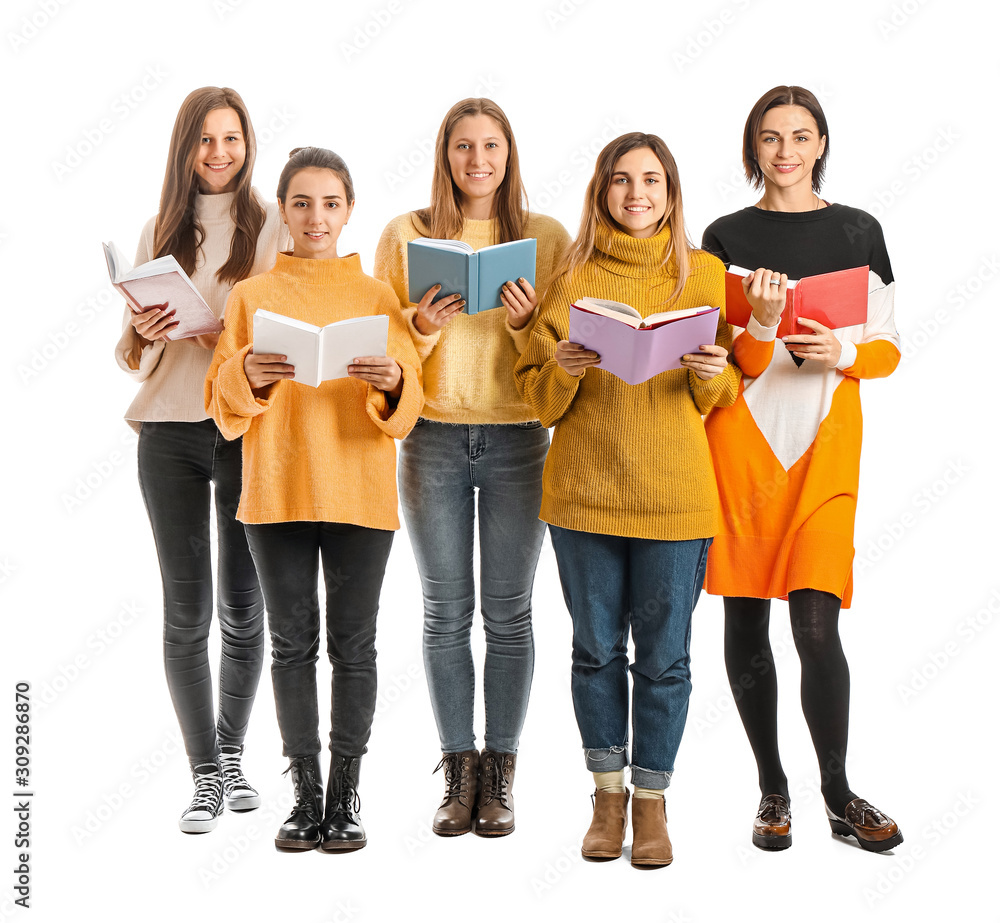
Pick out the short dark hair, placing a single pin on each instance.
(304, 158)
(782, 96)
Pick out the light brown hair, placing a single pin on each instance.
(782, 96)
(510, 201)
(319, 158)
(595, 206)
(177, 232)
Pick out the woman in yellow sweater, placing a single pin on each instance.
(628, 490)
(476, 433)
(318, 480)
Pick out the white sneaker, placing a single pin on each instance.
(240, 794)
(203, 813)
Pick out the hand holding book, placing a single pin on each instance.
(766, 299)
(154, 323)
(432, 315)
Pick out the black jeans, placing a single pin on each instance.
(178, 465)
(354, 558)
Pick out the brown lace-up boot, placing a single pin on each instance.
(461, 776)
(495, 808)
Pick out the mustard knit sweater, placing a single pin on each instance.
(629, 460)
(321, 454)
(468, 365)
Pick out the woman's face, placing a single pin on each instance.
(315, 210)
(477, 156)
(788, 146)
(222, 152)
(637, 196)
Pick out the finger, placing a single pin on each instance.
(519, 298)
(815, 325)
(713, 349)
(447, 300)
(429, 296)
(529, 291)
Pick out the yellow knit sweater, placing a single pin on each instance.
(468, 365)
(628, 460)
(321, 454)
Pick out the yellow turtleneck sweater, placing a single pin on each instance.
(628, 460)
(321, 454)
(468, 365)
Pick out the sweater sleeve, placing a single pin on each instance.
(545, 387)
(397, 420)
(754, 348)
(229, 399)
(139, 361)
(722, 390)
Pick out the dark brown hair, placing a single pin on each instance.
(305, 158)
(510, 201)
(782, 96)
(176, 231)
(595, 205)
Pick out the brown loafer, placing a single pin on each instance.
(650, 843)
(461, 775)
(873, 830)
(607, 829)
(772, 827)
(495, 806)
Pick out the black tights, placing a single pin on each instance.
(826, 686)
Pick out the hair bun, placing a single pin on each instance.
(295, 150)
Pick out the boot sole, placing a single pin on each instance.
(243, 804)
(198, 826)
(450, 831)
(294, 845)
(348, 846)
(595, 856)
(773, 842)
(846, 830)
(489, 833)
(651, 863)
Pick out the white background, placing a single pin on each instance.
(908, 89)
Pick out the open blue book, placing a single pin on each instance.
(476, 276)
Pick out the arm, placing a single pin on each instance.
(552, 244)
(877, 355)
(546, 387)
(714, 388)
(754, 348)
(133, 353)
(229, 398)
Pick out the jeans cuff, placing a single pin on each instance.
(651, 778)
(610, 760)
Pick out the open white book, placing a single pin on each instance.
(319, 353)
(162, 281)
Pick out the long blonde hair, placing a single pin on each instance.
(177, 232)
(595, 207)
(510, 202)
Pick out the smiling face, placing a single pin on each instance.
(477, 157)
(315, 209)
(221, 153)
(637, 196)
(788, 146)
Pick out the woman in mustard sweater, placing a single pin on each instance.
(318, 481)
(476, 433)
(628, 490)
(220, 231)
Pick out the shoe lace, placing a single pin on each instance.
(348, 798)
(207, 789)
(452, 774)
(493, 780)
(232, 771)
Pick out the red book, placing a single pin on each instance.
(833, 299)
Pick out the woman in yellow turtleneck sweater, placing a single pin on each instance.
(628, 489)
(476, 433)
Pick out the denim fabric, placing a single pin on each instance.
(287, 556)
(178, 465)
(612, 584)
(441, 465)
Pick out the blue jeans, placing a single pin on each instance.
(611, 583)
(179, 463)
(440, 467)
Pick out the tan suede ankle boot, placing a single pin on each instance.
(607, 829)
(650, 842)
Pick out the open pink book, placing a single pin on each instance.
(833, 299)
(634, 348)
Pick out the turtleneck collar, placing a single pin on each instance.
(216, 207)
(318, 271)
(624, 255)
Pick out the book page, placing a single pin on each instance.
(443, 243)
(280, 335)
(349, 339)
